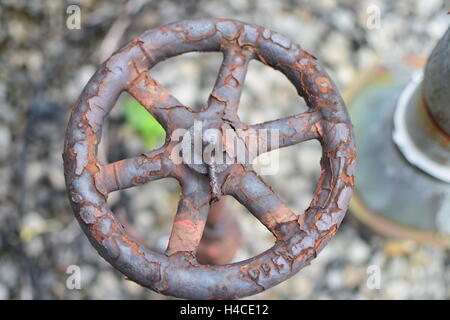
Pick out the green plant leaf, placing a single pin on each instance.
(143, 123)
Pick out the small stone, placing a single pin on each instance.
(5, 142)
(4, 292)
(32, 225)
(395, 248)
(334, 279)
(397, 289)
(106, 286)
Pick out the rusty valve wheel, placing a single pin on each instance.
(299, 238)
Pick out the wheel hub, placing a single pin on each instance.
(205, 147)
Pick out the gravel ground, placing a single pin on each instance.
(44, 67)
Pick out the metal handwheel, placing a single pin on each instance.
(177, 273)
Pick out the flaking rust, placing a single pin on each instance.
(177, 272)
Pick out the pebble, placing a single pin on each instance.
(334, 279)
(106, 287)
(5, 142)
(359, 251)
(4, 292)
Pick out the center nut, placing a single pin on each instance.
(205, 148)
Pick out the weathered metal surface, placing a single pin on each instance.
(393, 197)
(222, 236)
(404, 169)
(299, 237)
(422, 115)
(436, 88)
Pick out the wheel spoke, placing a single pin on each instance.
(192, 213)
(134, 171)
(253, 192)
(281, 133)
(230, 80)
(159, 102)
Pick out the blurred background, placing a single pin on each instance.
(46, 60)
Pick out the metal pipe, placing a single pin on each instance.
(422, 116)
(436, 85)
(222, 236)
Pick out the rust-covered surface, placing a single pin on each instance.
(436, 84)
(222, 236)
(299, 237)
